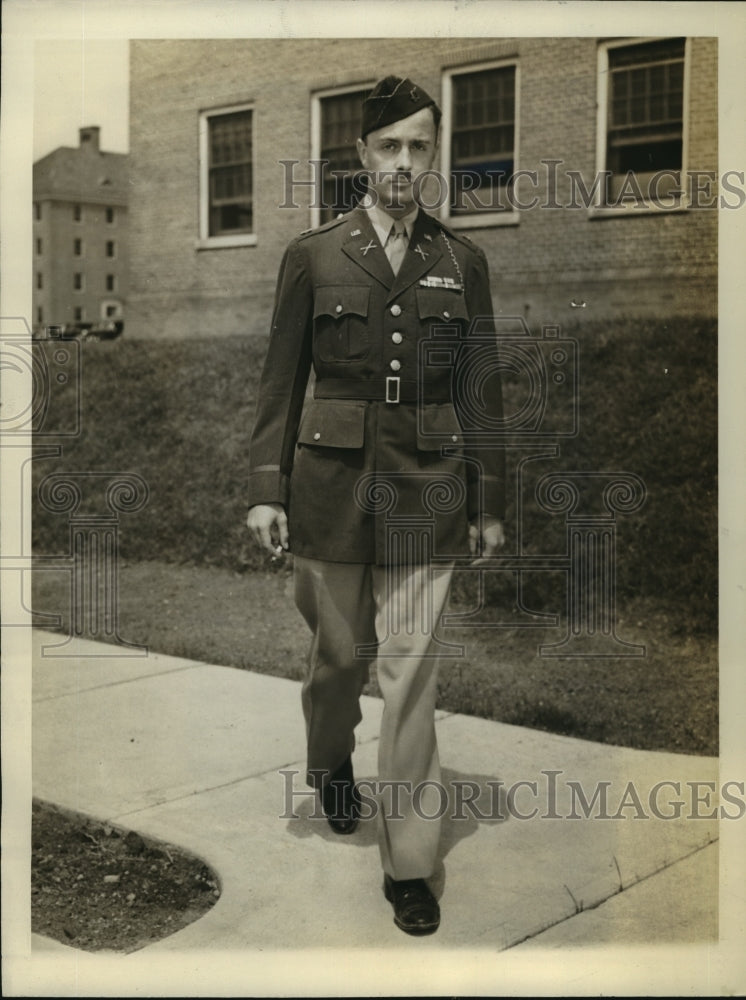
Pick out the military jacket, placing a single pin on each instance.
(386, 461)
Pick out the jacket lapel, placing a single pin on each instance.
(364, 248)
(423, 252)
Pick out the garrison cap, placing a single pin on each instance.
(392, 99)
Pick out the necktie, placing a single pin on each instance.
(396, 246)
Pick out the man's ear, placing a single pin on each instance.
(362, 152)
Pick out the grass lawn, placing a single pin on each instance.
(666, 700)
(179, 414)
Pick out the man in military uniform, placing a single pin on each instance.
(379, 482)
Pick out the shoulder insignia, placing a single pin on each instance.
(459, 236)
(332, 224)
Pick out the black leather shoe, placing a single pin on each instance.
(339, 800)
(416, 910)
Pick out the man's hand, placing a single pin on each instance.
(268, 523)
(491, 538)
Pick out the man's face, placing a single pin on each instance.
(396, 154)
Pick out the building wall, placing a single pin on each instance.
(96, 182)
(644, 264)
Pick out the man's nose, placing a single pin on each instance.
(404, 159)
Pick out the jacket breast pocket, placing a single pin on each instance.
(331, 424)
(441, 305)
(340, 322)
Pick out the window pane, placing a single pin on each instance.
(340, 129)
(230, 176)
(482, 139)
(645, 110)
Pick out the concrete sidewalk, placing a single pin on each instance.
(192, 754)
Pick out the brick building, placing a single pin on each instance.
(80, 233)
(584, 167)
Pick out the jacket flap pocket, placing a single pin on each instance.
(440, 302)
(331, 424)
(438, 425)
(341, 300)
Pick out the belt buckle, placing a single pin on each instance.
(392, 388)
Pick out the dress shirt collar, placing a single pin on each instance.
(382, 221)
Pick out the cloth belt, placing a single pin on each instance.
(389, 389)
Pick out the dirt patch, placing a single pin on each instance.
(95, 886)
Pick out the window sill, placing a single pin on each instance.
(617, 212)
(222, 242)
(484, 220)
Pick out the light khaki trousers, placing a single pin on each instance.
(351, 605)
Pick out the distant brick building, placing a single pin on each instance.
(545, 142)
(80, 234)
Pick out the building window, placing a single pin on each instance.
(110, 216)
(480, 138)
(78, 313)
(227, 176)
(111, 283)
(336, 128)
(77, 213)
(78, 248)
(38, 245)
(642, 92)
(111, 248)
(39, 314)
(111, 309)
(78, 281)
(39, 280)
(37, 211)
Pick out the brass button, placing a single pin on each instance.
(395, 365)
(454, 437)
(339, 308)
(397, 338)
(396, 310)
(317, 436)
(446, 314)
